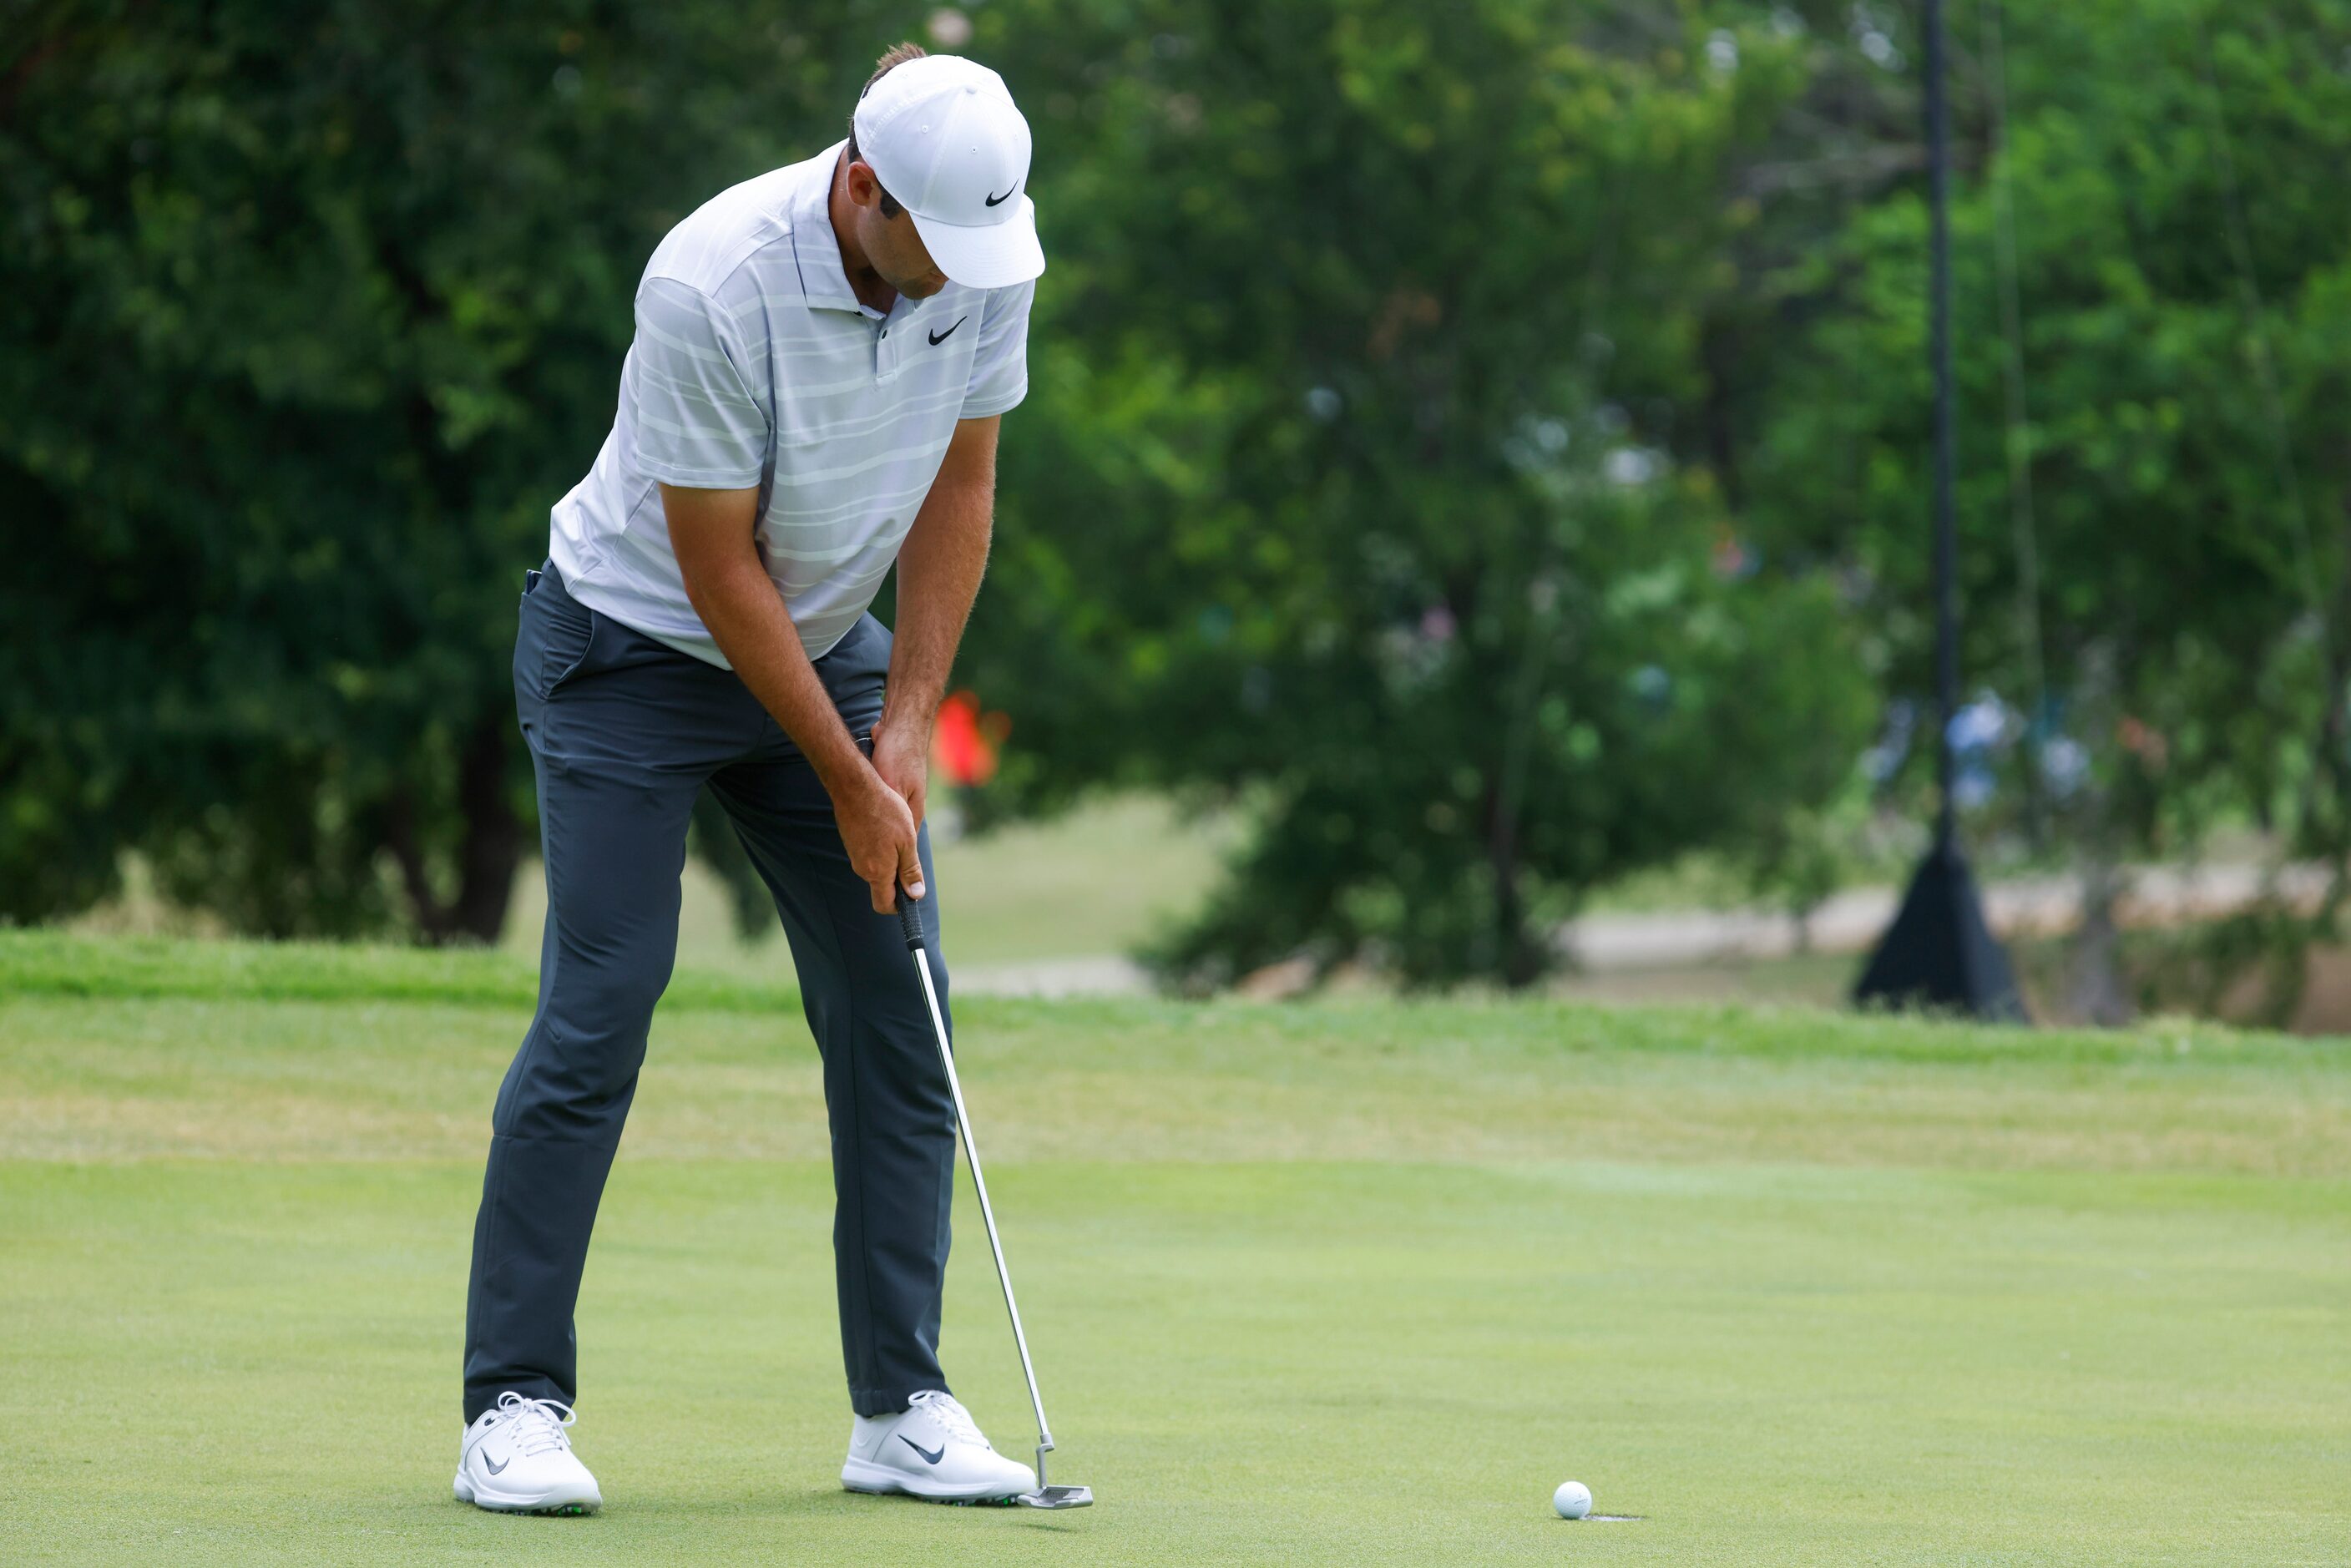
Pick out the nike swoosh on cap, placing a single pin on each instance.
(1006, 197)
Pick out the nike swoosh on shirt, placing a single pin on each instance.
(938, 338)
(929, 1458)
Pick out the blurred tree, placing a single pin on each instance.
(2153, 270)
(312, 314)
(1348, 477)
(1445, 427)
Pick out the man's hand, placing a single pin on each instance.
(879, 829)
(902, 756)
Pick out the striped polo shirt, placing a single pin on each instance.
(755, 365)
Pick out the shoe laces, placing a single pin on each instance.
(533, 1426)
(950, 1413)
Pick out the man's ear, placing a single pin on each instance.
(863, 188)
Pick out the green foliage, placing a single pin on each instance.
(2175, 597)
(314, 315)
(1365, 338)
(1493, 438)
(1349, 312)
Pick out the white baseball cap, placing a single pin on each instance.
(942, 135)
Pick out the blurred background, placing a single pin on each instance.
(1468, 525)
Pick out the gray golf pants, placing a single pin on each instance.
(624, 732)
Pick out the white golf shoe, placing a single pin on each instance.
(516, 1458)
(930, 1449)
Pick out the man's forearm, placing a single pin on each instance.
(745, 616)
(939, 568)
(711, 533)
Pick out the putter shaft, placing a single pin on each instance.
(910, 918)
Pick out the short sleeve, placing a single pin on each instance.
(697, 423)
(1000, 367)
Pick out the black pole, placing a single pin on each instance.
(1938, 333)
(1939, 952)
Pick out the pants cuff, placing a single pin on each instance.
(480, 1399)
(872, 1402)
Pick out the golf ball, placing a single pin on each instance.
(1573, 1499)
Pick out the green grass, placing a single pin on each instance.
(1347, 1281)
(66, 964)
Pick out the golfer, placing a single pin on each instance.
(822, 357)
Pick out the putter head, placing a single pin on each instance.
(1058, 1497)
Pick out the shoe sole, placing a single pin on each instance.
(879, 1480)
(491, 1503)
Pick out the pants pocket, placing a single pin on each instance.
(556, 635)
(567, 648)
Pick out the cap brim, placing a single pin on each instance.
(995, 256)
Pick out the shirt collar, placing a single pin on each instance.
(823, 280)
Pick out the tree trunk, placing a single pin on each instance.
(1517, 961)
(487, 853)
(1718, 353)
(493, 845)
(2097, 994)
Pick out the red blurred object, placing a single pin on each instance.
(964, 741)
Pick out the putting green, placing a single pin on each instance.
(1352, 1283)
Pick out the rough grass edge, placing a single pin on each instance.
(41, 962)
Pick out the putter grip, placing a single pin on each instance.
(910, 919)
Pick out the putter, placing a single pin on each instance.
(910, 918)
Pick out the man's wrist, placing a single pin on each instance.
(844, 770)
(910, 714)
